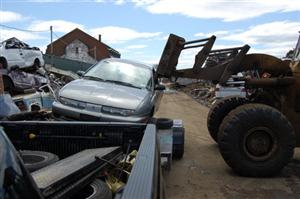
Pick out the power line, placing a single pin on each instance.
(23, 30)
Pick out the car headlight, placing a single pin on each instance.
(73, 103)
(117, 111)
(93, 107)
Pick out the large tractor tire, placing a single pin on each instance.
(256, 140)
(219, 111)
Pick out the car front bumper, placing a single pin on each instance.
(85, 115)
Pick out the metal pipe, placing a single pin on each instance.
(226, 49)
(196, 41)
(270, 82)
(195, 46)
(219, 53)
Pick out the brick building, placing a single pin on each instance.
(80, 46)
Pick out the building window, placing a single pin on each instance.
(77, 50)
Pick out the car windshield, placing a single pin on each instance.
(120, 73)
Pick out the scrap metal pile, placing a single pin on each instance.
(31, 90)
(202, 92)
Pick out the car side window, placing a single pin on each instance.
(14, 45)
(150, 84)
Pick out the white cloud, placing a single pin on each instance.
(24, 36)
(143, 2)
(269, 33)
(8, 16)
(201, 34)
(227, 10)
(219, 34)
(276, 38)
(58, 25)
(115, 34)
(43, 48)
(216, 33)
(119, 2)
(47, 1)
(136, 46)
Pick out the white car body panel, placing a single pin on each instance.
(21, 57)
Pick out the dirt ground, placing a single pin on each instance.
(202, 173)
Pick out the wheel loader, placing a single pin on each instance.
(257, 134)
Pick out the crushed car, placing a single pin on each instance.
(15, 52)
(111, 90)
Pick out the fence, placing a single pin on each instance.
(66, 64)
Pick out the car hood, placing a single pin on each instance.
(104, 93)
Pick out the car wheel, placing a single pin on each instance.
(36, 63)
(3, 63)
(35, 160)
(256, 140)
(96, 190)
(218, 112)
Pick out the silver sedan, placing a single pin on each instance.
(111, 90)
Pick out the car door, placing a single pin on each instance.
(28, 55)
(14, 54)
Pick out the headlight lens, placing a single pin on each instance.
(95, 107)
(73, 103)
(117, 111)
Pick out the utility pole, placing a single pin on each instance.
(51, 46)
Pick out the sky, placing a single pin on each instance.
(139, 29)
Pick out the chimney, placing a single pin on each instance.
(99, 37)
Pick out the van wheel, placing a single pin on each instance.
(218, 112)
(35, 160)
(256, 140)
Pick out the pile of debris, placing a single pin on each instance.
(202, 92)
(24, 89)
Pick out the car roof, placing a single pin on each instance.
(138, 64)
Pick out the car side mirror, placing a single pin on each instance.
(160, 87)
(80, 73)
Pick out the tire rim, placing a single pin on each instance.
(93, 187)
(259, 143)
